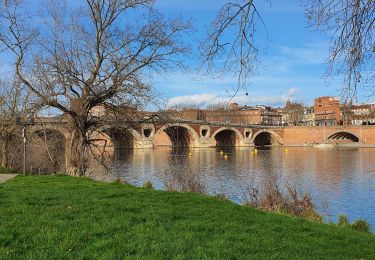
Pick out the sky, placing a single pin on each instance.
(292, 66)
(292, 60)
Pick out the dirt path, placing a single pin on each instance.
(6, 177)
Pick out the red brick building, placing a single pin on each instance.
(327, 111)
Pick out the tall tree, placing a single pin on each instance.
(351, 24)
(77, 56)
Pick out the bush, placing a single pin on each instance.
(148, 185)
(313, 215)
(291, 202)
(361, 225)
(119, 181)
(343, 221)
(6, 170)
(221, 196)
(183, 181)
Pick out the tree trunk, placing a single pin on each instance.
(4, 151)
(76, 161)
(77, 158)
(76, 164)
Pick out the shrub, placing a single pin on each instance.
(221, 196)
(6, 170)
(343, 221)
(271, 198)
(148, 185)
(119, 181)
(183, 181)
(361, 225)
(313, 215)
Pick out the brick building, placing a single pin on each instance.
(259, 115)
(327, 111)
(271, 116)
(362, 114)
(193, 114)
(240, 115)
(308, 117)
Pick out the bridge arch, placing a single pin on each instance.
(343, 137)
(266, 137)
(227, 137)
(49, 128)
(176, 135)
(114, 141)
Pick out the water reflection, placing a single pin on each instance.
(341, 181)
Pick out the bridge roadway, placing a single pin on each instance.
(184, 133)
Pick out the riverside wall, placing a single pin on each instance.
(317, 135)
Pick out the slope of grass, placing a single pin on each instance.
(65, 217)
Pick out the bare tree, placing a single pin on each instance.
(230, 45)
(295, 112)
(351, 24)
(16, 104)
(77, 56)
(50, 145)
(217, 106)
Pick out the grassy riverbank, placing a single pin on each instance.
(65, 217)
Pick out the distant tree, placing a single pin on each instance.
(351, 24)
(346, 113)
(184, 107)
(217, 106)
(295, 112)
(77, 55)
(219, 112)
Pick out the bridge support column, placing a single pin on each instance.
(143, 144)
(247, 143)
(248, 135)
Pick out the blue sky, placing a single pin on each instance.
(292, 67)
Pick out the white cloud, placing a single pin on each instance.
(196, 100)
(202, 100)
(293, 92)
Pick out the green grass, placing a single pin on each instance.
(65, 217)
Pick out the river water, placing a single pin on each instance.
(340, 180)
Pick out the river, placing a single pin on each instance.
(341, 180)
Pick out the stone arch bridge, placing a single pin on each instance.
(115, 138)
(175, 134)
(201, 134)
